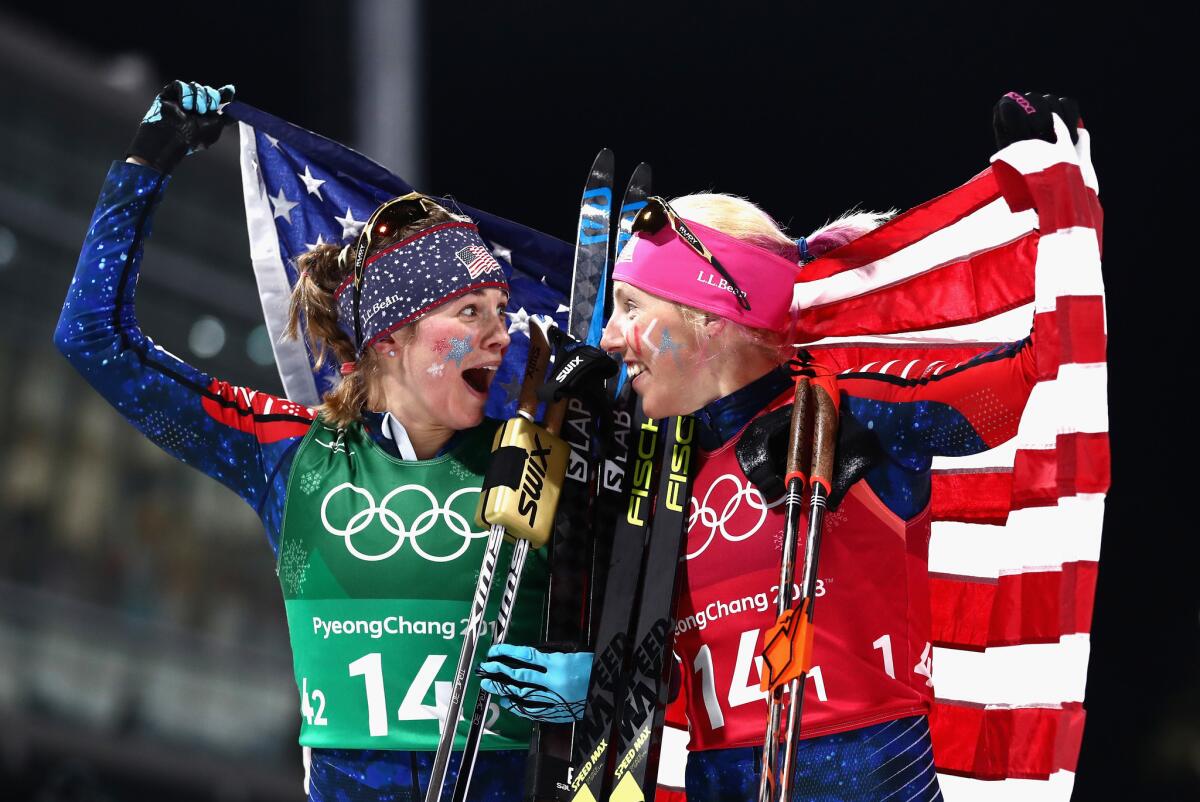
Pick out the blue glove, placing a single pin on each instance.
(184, 118)
(541, 686)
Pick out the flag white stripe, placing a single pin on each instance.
(1004, 327)
(999, 458)
(1056, 789)
(1035, 538)
(274, 291)
(1033, 673)
(1068, 264)
(1077, 401)
(985, 228)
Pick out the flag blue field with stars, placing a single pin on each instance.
(301, 190)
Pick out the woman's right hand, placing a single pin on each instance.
(184, 117)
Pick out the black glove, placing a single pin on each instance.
(1019, 116)
(579, 369)
(185, 117)
(762, 453)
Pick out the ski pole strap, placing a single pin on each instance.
(508, 463)
(788, 648)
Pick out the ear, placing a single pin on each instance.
(383, 345)
(714, 326)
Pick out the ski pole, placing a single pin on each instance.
(795, 481)
(825, 427)
(466, 767)
(523, 480)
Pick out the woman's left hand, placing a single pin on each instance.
(541, 686)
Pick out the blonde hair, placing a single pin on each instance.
(743, 220)
(314, 309)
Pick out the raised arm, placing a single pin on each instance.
(233, 434)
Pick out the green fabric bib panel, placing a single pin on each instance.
(378, 561)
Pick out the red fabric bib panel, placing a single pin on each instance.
(871, 654)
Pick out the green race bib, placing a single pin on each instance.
(378, 560)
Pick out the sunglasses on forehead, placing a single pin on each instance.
(386, 220)
(657, 214)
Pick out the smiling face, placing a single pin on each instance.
(440, 375)
(663, 355)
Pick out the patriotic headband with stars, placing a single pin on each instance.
(407, 280)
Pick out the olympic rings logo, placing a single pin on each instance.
(702, 513)
(393, 523)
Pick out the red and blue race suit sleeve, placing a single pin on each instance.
(242, 438)
(923, 409)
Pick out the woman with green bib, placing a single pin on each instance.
(368, 500)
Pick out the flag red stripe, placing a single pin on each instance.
(1058, 193)
(1079, 463)
(980, 497)
(1072, 333)
(998, 743)
(907, 228)
(963, 291)
(1020, 608)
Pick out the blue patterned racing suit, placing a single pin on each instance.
(244, 439)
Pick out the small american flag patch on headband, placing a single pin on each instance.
(477, 260)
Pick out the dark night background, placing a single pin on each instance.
(808, 111)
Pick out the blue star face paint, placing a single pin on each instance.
(668, 346)
(459, 349)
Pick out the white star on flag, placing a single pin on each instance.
(274, 142)
(350, 226)
(500, 252)
(312, 185)
(520, 321)
(563, 308)
(281, 206)
(312, 247)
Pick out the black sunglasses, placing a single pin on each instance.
(390, 217)
(657, 214)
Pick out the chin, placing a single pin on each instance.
(466, 419)
(662, 407)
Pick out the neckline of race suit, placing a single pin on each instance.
(718, 421)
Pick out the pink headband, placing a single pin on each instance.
(663, 264)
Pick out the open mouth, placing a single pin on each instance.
(479, 379)
(633, 370)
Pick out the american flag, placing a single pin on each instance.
(477, 260)
(1016, 533)
(301, 189)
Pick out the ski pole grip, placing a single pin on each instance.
(798, 437)
(825, 426)
(535, 372)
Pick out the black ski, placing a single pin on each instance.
(640, 721)
(615, 451)
(592, 752)
(572, 543)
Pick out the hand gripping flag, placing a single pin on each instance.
(1016, 532)
(301, 189)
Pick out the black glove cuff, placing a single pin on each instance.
(163, 146)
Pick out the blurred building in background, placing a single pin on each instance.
(143, 648)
